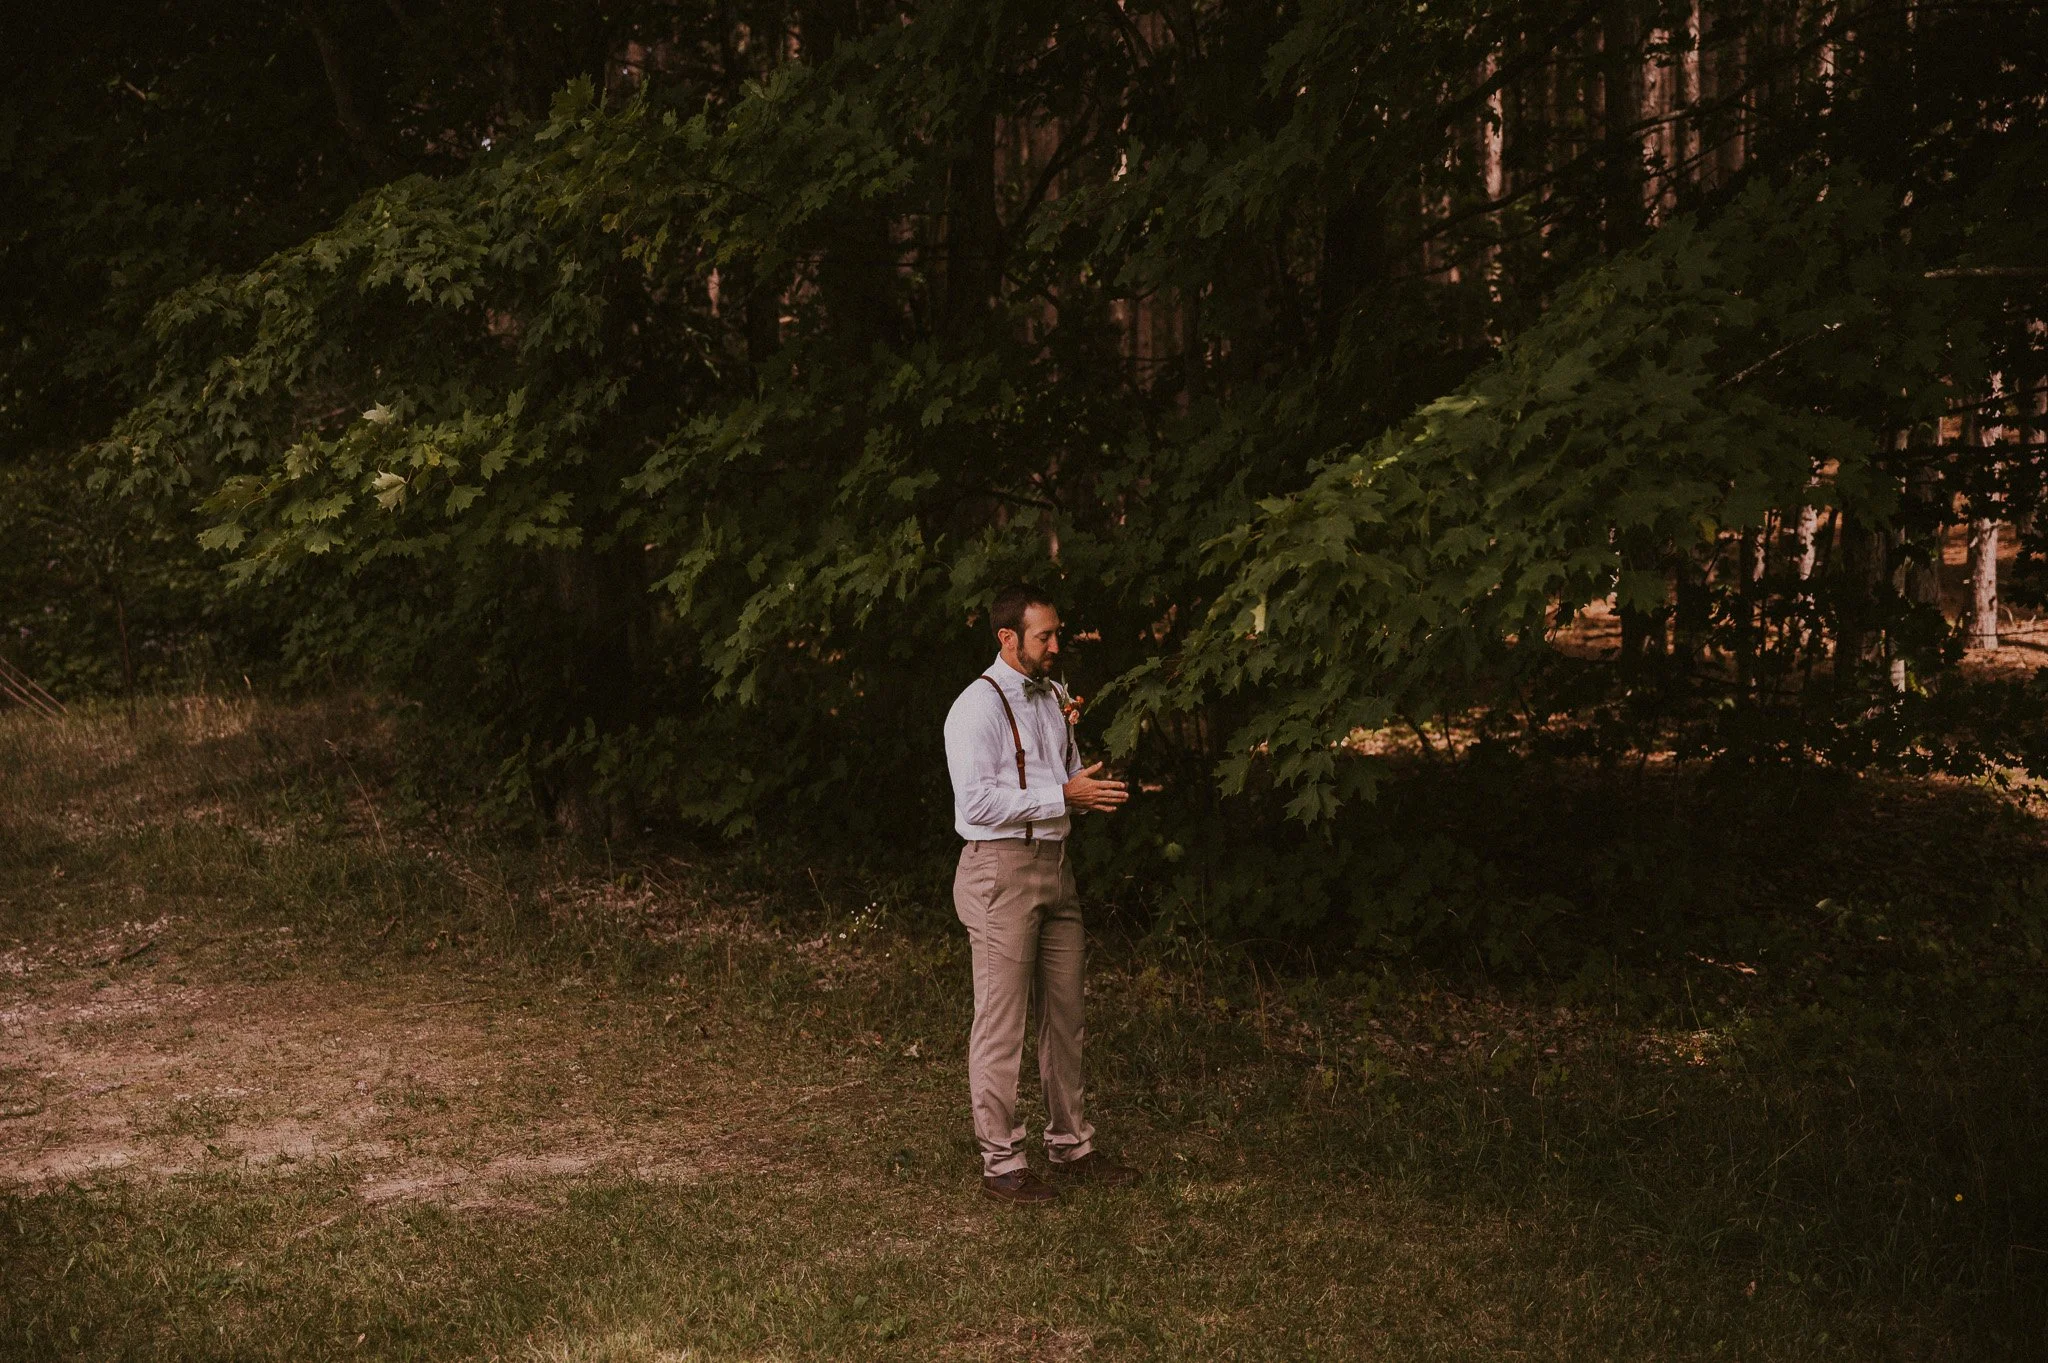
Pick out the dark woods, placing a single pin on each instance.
(656, 393)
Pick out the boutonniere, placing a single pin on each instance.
(1070, 706)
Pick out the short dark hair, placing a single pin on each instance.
(1007, 611)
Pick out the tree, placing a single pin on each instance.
(1331, 358)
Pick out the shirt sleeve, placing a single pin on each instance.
(983, 762)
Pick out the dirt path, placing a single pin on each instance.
(198, 1053)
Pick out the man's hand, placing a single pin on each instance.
(1085, 792)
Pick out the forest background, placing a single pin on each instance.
(651, 396)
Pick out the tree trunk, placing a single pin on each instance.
(602, 597)
(856, 281)
(107, 576)
(1644, 634)
(1689, 91)
(127, 657)
(1691, 612)
(1354, 261)
(761, 315)
(973, 232)
(1982, 618)
(1861, 575)
(1983, 608)
(1809, 525)
(1748, 637)
(341, 89)
(1921, 572)
(1620, 93)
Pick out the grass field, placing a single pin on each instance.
(293, 1067)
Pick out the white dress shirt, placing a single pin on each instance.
(983, 760)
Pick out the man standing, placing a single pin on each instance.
(1016, 777)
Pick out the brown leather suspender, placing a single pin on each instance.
(1016, 737)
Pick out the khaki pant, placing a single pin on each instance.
(1024, 924)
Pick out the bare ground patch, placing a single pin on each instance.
(434, 1086)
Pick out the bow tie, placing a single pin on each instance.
(1035, 687)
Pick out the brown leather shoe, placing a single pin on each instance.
(1097, 1169)
(1019, 1188)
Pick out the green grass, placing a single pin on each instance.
(386, 1085)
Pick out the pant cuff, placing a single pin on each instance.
(1067, 1154)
